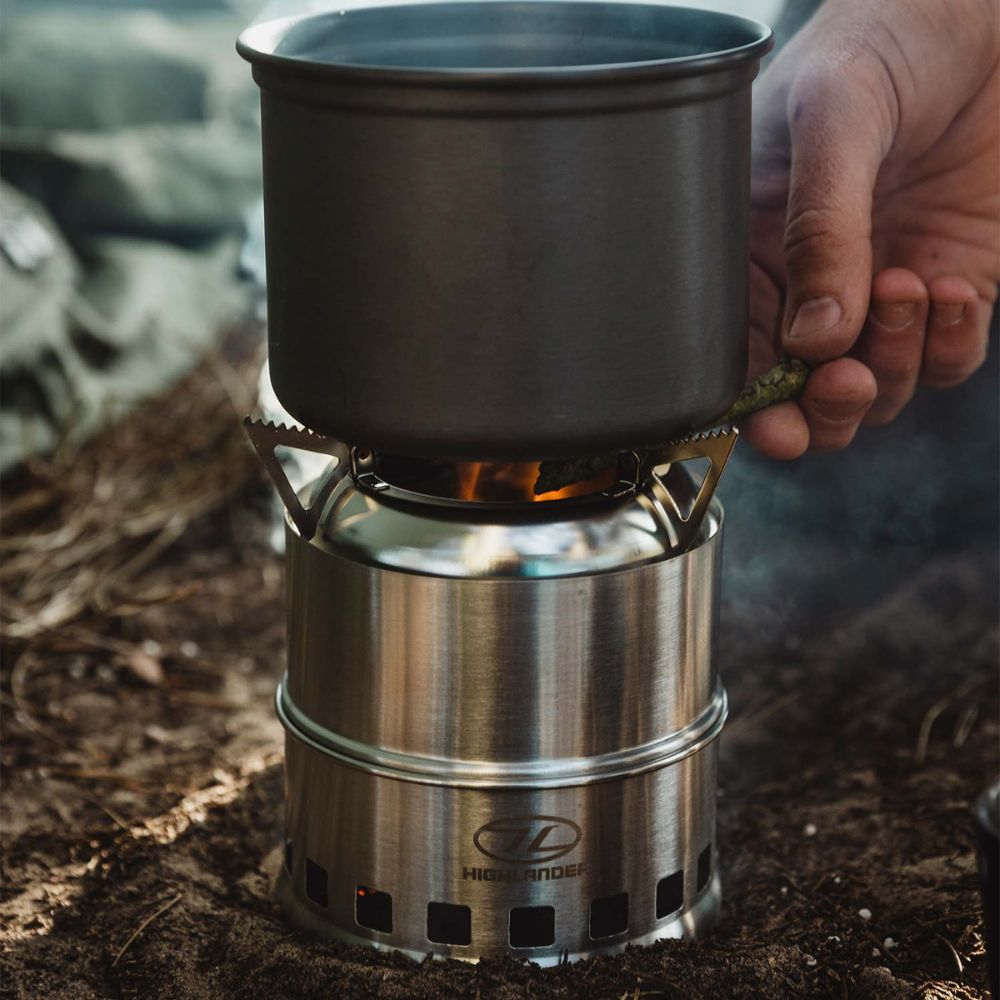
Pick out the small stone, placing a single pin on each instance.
(147, 669)
(809, 830)
(784, 890)
(876, 953)
(156, 733)
(810, 961)
(889, 944)
(865, 913)
(189, 649)
(836, 880)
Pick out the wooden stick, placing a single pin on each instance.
(783, 382)
(163, 909)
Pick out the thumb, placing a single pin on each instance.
(837, 146)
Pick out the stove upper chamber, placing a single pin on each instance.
(506, 230)
(399, 529)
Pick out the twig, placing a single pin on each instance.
(745, 723)
(948, 917)
(955, 955)
(964, 726)
(937, 709)
(926, 725)
(163, 909)
(18, 692)
(204, 699)
(112, 815)
(112, 777)
(785, 381)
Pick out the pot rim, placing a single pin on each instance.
(258, 44)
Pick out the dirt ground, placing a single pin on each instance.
(142, 763)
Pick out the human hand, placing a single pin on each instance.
(876, 183)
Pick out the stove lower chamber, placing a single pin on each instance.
(501, 720)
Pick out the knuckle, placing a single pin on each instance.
(896, 374)
(817, 235)
(881, 418)
(814, 84)
(830, 432)
(834, 415)
(944, 369)
(825, 442)
(808, 226)
(832, 75)
(885, 409)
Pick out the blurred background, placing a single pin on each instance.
(131, 231)
(142, 618)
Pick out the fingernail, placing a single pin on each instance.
(815, 316)
(839, 411)
(948, 313)
(894, 315)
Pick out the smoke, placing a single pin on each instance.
(833, 532)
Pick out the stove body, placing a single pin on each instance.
(501, 720)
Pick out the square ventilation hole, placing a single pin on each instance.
(316, 883)
(373, 909)
(704, 867)
(289, 857)
(609, 916)
(669, 894)
(448, 923)
(532, 926)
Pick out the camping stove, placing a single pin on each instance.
(501, 714)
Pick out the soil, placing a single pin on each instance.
(141, 812)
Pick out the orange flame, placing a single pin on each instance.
(516, 481)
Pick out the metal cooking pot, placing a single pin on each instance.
(503, 229)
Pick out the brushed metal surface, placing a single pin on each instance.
(445, 728)
(504, 229)
(532, 667)
(416, 842)
(538, 773)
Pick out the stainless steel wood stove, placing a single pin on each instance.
(499, 232)
(501, 714)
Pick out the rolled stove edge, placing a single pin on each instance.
(566, 773)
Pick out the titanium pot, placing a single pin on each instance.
(506, 230)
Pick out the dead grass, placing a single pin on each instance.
(78, 531)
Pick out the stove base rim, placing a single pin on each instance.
(691, 924)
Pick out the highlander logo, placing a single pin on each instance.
(527, 840)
